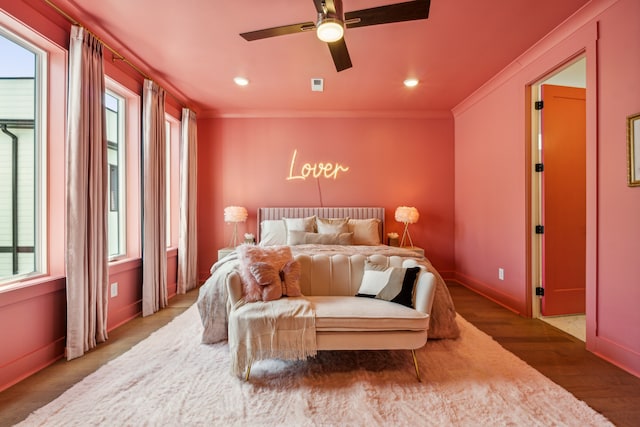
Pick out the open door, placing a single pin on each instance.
(563, 143)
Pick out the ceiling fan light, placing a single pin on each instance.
(330, 30)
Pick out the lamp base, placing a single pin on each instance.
(234, 238)
(406, 235)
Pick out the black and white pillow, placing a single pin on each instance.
(393, 284)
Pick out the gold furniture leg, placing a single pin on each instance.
(246, 377)
(415, 363)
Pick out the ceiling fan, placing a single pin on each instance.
(331, 24)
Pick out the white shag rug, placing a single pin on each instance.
(171, 379)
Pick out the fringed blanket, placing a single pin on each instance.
(281, 329)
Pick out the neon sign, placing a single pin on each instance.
(316, 170)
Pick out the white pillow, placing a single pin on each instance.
(365, 231)
(374, 280)
(395, 284)
(272, 232)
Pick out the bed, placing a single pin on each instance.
(213, 301)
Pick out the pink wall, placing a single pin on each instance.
(35, 317)
(491, 226)
(172, 272)
(618, 270)
(489, 199)
(128, 303)
(392, 162)
(33, 330)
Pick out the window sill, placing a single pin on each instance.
(34, 280)
(124, 264)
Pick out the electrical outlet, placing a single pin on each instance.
(501, 273)
(114, 289)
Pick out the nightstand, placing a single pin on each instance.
(224, 252)
(415, 249)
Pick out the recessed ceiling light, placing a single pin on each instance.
(411, 82)
(241, 81)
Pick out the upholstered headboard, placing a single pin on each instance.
(271, 213)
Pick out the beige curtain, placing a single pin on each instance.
(87, 246)
(154, 248)
(187, 229)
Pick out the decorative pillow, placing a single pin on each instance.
(290, 274)
(307, 224)
(332, 225)
(301, 224)
(296, 237)
(393, 284)
(264, 273)
(275, 256)
(269, 279)
(302, 237)
(365, 231)
(272, 232)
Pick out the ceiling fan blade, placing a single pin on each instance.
(340, 55)
(399, 12)
(278, 31)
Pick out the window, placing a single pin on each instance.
(117, 183)
(122, 113)
(22, 154)
(33, 87)
(172, 127)
(167, 180)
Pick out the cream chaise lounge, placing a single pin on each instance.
(346, 322)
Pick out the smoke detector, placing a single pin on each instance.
(317, 85)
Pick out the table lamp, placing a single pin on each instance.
(235, 214)
(407, 215)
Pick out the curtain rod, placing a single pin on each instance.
(117, 55)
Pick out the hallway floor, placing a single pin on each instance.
(574, 325)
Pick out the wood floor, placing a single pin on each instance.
(561, 357)
(558, 355)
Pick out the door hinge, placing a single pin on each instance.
(539, 105)
(539, 167)
(539, 229)
(539, 291)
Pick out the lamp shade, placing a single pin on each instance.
(406, 214)
(235, 214)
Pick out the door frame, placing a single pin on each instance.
(533, 184)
